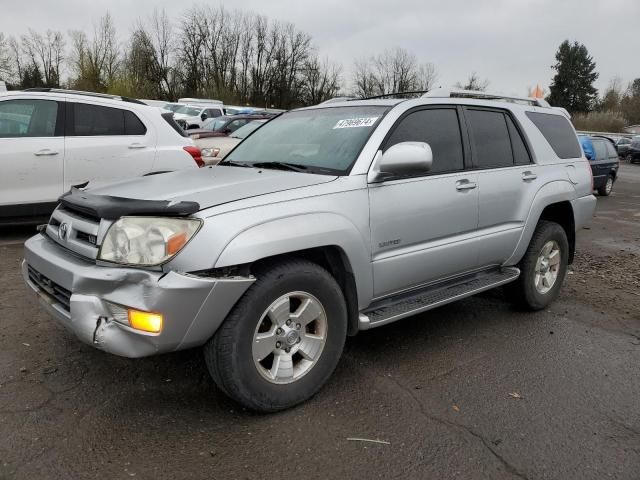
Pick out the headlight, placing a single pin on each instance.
(147, 240)
(210, 152)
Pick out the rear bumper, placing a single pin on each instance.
(82, 296)
(583, 210)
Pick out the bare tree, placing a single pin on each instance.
(95, 62)
(474, 82)
(6, 68)
(320, 80)
(612, 96)
(193, 34)
(46, 53)
(18, 62)
(392, 71)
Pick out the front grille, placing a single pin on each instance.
(58, 293)
(75, 231)
(85, 237)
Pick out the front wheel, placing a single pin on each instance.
(542, 269)
(283, 339)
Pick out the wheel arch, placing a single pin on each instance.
(327, 239)
(553, 203)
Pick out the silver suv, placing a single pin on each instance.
(326, 221)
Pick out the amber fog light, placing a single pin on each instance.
(145, 321)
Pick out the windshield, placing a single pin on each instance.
(190, 111)
(321, 139)
(172, 107)
(215, 123)
(242, 132)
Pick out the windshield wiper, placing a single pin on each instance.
(281, 165)
(231, 163)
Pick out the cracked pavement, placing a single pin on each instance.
(471, 390)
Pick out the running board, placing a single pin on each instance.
(410, 303)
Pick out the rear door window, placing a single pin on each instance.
(520, 153)
(28, 118)
(490, 138)
(440, 128)
(557, 130)
(132, 124)
(600, 149)
(611, 151)
(95, 120)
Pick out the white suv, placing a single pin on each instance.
(52, 139)
(194, 116)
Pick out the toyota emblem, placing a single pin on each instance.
(63, 229)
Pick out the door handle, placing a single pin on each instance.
(527, 176)
(462, 185)
(134, 146)
(45, 152)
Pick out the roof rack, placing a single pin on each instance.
(396, 94)
(459, 93)
(338, 99)
(87, 94)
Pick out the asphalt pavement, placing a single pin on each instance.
(471, 390)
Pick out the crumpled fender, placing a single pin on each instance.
(301, 232)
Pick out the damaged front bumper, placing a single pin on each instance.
(83, 297)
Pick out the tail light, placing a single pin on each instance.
(590, 173)
(196, 154)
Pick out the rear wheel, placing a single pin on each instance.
(605, 190)
(283, 339)
(542, 269)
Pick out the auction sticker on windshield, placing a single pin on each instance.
(356, 122)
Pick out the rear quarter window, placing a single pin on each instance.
(557, 130)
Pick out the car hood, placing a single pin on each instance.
(211, 186)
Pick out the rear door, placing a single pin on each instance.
(507, 178)
(32, 151)
(106, 144)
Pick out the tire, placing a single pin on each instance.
(607, 188)
(524, 292)
(229, 355)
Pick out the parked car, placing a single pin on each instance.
(324, 222)
(172, 107)
(622, 146)
(221, 126)
(194, 116)
(604, 161)
(200, 101)
(52, 139)
(155, 103)
(215, 149)
(633, 155)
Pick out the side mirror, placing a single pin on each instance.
(402, 159)
(203, 117)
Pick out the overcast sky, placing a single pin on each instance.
(511, 43)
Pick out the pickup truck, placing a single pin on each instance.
(326, 221)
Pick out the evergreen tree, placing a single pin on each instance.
(572, 86)
(32, 77)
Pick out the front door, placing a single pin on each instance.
(31, 156)
(423, 228)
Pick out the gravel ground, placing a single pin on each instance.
(470, 390)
